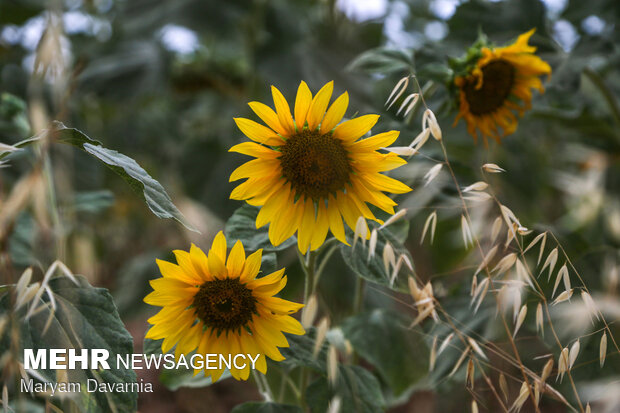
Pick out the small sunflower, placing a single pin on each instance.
(216, 305)
(310, 172)
(492, 89)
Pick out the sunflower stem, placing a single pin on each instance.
(330, 246)
(263, 386)
(308, 264)
(360, 290)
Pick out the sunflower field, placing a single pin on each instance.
(272, 206)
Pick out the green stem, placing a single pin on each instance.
(597, 81)
(360, 289)
(308, 264)
(56, 221)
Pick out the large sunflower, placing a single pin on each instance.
(500, 78)
(311, 171)
(217, 306)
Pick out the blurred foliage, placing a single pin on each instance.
(160, 81)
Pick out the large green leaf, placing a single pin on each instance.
(383, 338)
(138, 179)
(300, 352)
(266, 407)
(373, 269)
(242, 226)
(358, 390)
(85, 318)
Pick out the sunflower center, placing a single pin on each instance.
(498, 78)
(224, 304)
(316, 165)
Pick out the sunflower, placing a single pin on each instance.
(491, 89)
(312, 171)
(216, 305)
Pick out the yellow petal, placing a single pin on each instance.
(321, 227)
(280, 306)
(270, 279)
(264, 327)
(185, 262)
(270, 290)
(352, 129)
(260, 200)
(335, 113)
(376, 198)
(306, 226)
(254, 149)
(258, 132)
(361, 205)
(283, 111)
(284, 225)
(252, 266)
(375, 162)
(170, 270)
(385, 183)
(199, 259)
(381, 140)
(268, 349)
(189, 341)
(348, 209)
(254, 187)
(218, 247)
(161, 299)
(236, 259)
(216, 266)
(335, 220)
(256, 168)
(268, 116)
(289, 325)
(318, 105)
(302, 104)
(272, 206)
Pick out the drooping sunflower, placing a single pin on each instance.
(216, 305)
(498, 83)
(312, 171)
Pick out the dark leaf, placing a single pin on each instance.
(138, 179)
(384, 340)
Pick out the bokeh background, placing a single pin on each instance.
(161, 80)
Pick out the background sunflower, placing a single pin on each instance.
(499, 82)
(160, 80)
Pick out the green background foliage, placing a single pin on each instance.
(158, 83)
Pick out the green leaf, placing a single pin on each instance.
(242, 226)
(13, 119)
(373, 269)
(85, 318)
(382, 60)
(93, 201)
(266, 407)
(138, 179)
(300, 352)
(383, 338)
(269, 263)
(152, 346)
(358, 389)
